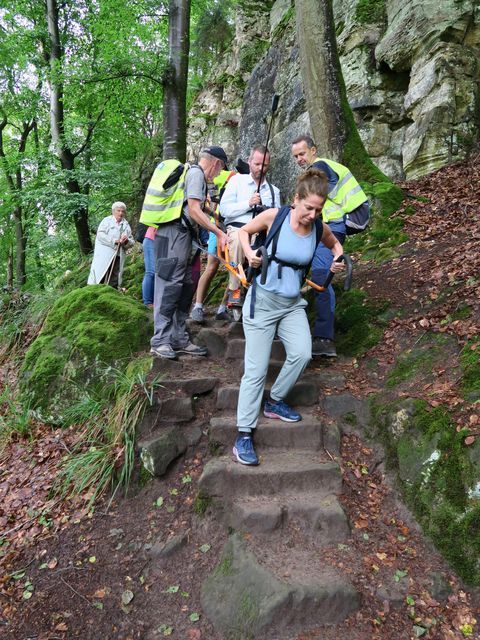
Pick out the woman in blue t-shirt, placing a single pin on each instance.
(279, 308)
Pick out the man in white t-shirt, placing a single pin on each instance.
(241, 201)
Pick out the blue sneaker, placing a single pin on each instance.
(280, 411)
(243, 450)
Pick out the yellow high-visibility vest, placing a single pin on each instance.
(164, 205)
(346, 196)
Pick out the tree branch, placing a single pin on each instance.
(90, 130)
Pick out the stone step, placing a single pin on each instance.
(296, 595)
(189, 386)
(306, 434)
(279, 471)
(236, 349)
(304, 393)
(322, 516)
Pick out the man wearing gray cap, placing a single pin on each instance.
(173, 250)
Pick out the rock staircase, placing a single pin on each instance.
(271, 581)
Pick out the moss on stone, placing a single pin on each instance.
(370, 11)
(438, 477)
(224, 567)
(357, 327)
(385, 233)
(133, 274)
(470, 364)
(283, 25)
(86, 330)
(252, 53)
(202, 503)
(429, 350)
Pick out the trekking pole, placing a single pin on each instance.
(112, 263)
(273, 110)
(348, 280)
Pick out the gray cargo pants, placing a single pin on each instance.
(173, 285)
(285, 317)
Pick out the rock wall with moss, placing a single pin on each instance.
(434, 462)
(439, 475)
(411, 70)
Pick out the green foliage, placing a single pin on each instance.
(357, 322)
(104, 456)
(85, 330)
(370, 11)
(385, 233)
(15, 417)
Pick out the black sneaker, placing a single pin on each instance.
(323, 347)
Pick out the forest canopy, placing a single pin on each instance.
(81, 119)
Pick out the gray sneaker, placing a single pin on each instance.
(191, 350)
(197, 315)
(164, 351)
(324, 347)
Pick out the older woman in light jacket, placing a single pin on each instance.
(114, 236)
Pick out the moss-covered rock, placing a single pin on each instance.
(358, 323)
(85, 332)
(439, 476)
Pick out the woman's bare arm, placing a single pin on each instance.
(262, 222)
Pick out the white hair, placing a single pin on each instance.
(119, 205)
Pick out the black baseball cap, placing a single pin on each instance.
(217, 152)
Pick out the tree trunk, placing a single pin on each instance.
(57, 124)
(331, 118)
(15, 186)
(9, 282)
(175, 81)
(20, 248)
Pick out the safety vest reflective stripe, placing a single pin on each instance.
(163, 205)
(346, 196)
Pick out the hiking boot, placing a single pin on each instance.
(164, 351)
(323, 347)
(197, 315)
(243, 450)
(280, 411)
(235, 298)
(223, 316)
(191, 350)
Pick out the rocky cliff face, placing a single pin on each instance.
(411, 69)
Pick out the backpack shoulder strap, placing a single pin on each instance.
(318, 230)
(272, 194)
(282, 213)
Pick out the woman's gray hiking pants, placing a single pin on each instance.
(274, 315)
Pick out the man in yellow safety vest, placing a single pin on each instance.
(345, 197)
(176, 221)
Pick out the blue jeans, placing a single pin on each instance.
(148, 284)
(325, 301)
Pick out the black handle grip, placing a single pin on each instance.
(261, 251)
(348, 280)
(275, 100)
